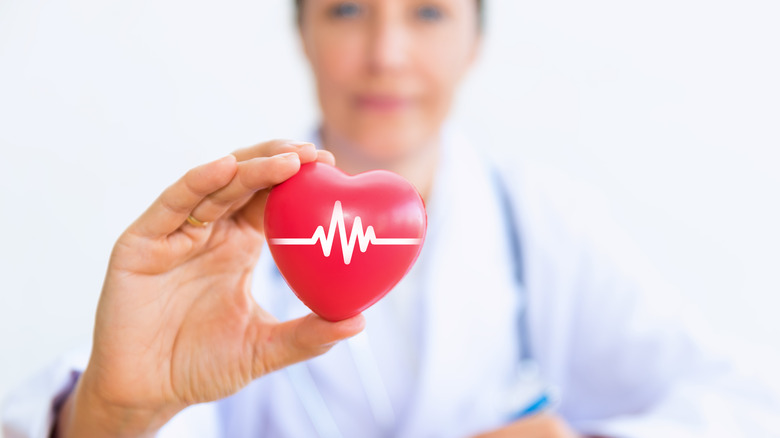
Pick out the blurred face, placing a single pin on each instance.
(387, 70)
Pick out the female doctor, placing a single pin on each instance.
(520, 271)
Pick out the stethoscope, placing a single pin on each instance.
(531, 394)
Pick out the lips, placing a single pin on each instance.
(382, 103)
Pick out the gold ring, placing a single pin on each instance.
(196, 223)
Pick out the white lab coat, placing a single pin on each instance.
(441, 351)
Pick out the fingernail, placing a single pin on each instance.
(289, 156)
(301, 144)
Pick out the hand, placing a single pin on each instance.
(535, 426)
(176, 323)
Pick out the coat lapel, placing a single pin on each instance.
(470, 343)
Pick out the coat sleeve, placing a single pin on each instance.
(630, 357)
(29, 411)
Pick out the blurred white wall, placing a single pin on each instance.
(672, 108)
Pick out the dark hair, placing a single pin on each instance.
(480, 12)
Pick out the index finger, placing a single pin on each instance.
(172, 207)
(276, 147)
(178, 201)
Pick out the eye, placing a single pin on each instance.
(430, 13)
(345, 10)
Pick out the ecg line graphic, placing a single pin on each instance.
(363, 238)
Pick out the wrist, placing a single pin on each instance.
(86, 414)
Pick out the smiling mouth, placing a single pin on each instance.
(381, 103)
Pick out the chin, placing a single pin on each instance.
(389, 142)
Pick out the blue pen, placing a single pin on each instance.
(544, 402)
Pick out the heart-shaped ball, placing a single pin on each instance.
(343, 242)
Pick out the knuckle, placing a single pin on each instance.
(192, 180)
(219, 199)
(168, 204)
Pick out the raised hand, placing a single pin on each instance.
(176, 323)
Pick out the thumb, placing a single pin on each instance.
(300, 339)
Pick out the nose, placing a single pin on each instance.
(389, 49)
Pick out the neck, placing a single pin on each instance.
(418, 166)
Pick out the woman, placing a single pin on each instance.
(178, 325)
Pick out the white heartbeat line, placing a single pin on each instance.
(347, 245)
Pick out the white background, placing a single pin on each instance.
(670, 107)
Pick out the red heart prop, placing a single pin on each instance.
(342, 242)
